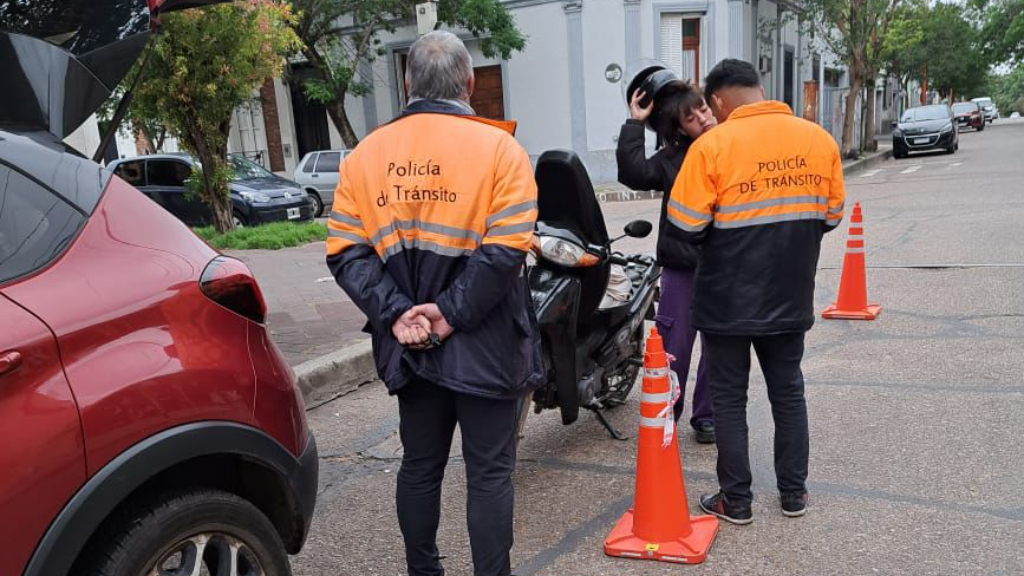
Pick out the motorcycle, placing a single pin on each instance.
(591, 332)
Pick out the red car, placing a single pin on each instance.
(969, 115)
(149, 425)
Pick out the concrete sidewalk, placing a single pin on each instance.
(314, 322)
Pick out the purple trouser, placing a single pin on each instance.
(675, 325)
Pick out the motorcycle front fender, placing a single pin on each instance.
(556, 303)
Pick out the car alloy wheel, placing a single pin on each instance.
(237, 221)
(220, 555)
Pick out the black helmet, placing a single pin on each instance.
(650, 80)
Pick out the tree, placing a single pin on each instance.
(336, 57)
(1002, 31)
(854, 30)
(202, 65)
(903, 53)
(952, 51)
(1008, 91)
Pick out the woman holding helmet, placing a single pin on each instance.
(676, 112)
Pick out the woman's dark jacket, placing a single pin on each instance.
(655, 173)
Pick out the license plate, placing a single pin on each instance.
(293, 213)
(920, 140)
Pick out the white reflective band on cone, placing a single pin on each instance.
(655, 372)
(655, 398)
(652, 422)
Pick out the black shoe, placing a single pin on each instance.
(704, 432)
(794, 504)
(717, 505)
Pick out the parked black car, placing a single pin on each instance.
(258, 196)
(925, 128)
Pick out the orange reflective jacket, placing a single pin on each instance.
(758, 191)
(440, 207)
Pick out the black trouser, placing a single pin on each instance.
(428, 417)
(729, 364)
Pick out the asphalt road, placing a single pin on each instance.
(917, 442)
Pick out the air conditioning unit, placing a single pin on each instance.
(764, 64)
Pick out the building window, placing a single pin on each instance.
(681, 45)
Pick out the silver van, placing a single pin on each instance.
(317, 174)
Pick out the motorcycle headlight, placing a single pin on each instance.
(947, 128)
(562, 252)
(254, 196)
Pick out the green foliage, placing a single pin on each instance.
(202, 65)
(1007, 91)
(485, 19)
(273, 236)
(951, 49)
(1002, 31)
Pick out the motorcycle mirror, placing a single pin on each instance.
(638, 229)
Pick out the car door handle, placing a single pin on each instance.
(316, 175)
(9, 361)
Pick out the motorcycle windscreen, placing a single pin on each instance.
(566, 199)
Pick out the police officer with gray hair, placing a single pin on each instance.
(432, 220)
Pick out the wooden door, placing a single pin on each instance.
(489, 97)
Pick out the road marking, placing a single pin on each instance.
(911, 169)
(870, 173)
(955, 164)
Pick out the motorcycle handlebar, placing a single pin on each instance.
(616, 259)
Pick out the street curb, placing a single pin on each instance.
(336, 374)
(867, 162)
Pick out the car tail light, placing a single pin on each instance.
(230, 283)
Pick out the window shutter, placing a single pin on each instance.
(672, 42)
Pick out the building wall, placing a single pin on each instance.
(557, 87)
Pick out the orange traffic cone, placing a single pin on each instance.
(852, 303)
(659, 527)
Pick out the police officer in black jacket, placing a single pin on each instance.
(679, 115)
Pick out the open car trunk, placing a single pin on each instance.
(61, 59)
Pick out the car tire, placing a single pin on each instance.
(238, 220)
(982, 127)
(316, 204)
(186, 532)
(899, 155)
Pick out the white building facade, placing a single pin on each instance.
(565, 89)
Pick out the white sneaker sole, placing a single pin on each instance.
(794, 514)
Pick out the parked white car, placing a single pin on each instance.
(1015, 115)
(317, 174)
(990, 110)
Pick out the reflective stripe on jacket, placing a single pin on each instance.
(439, 206)
(758, 191)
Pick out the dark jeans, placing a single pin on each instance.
(428, 416)
(729, 362)
(676, 328)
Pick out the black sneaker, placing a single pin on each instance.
(794, 504)
(705, 432)
(717, 505)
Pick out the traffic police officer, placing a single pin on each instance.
(757, 192)
(432, 220)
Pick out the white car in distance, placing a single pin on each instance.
(317, 174)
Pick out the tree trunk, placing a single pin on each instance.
(856, 82)
(336, 110)
(868, 142)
